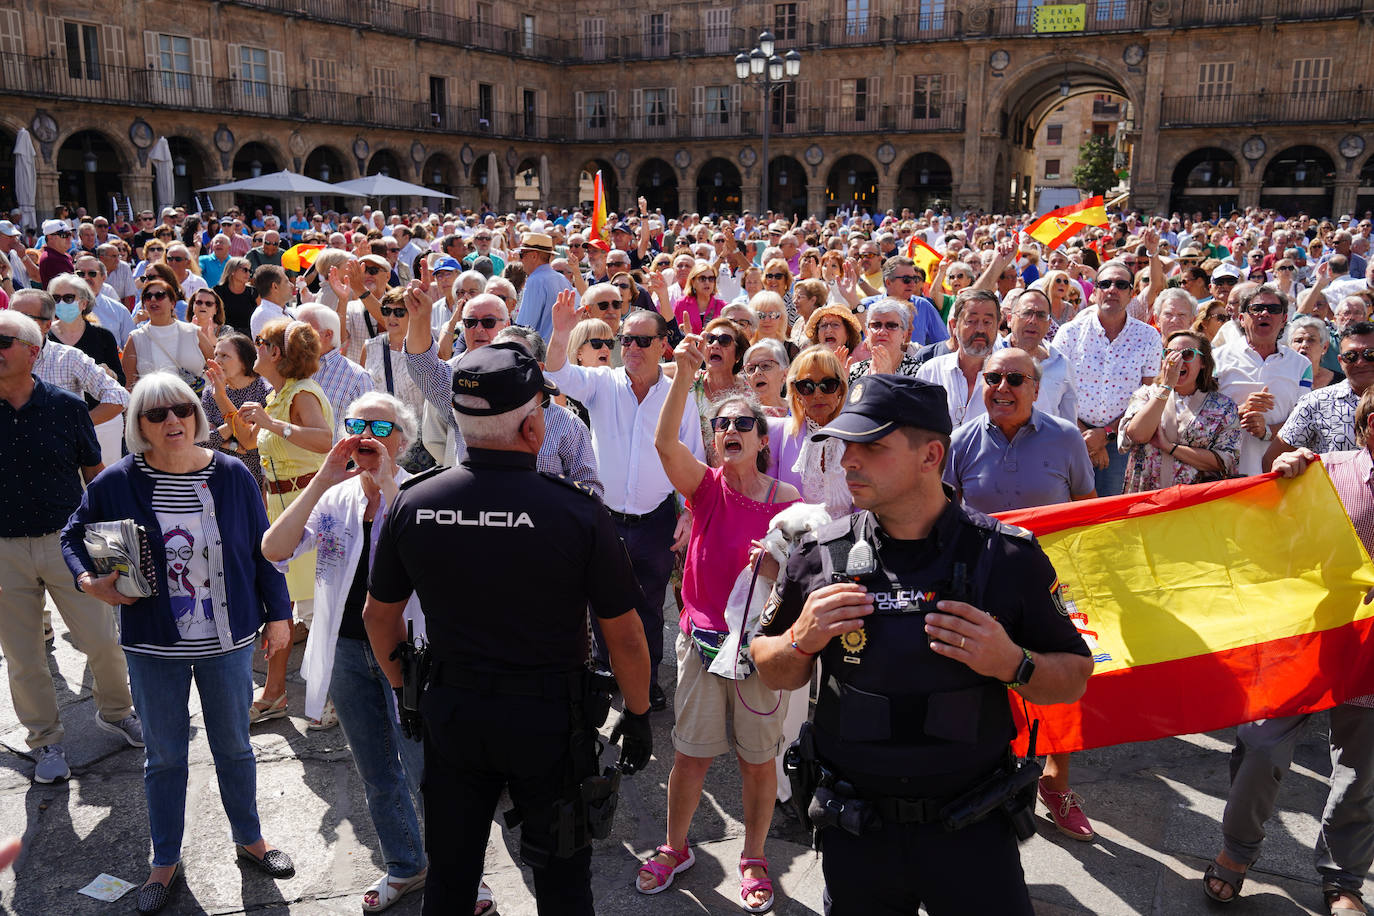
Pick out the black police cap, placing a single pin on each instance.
(502, 374)
(879, 404)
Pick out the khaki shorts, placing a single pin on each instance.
(704, 702)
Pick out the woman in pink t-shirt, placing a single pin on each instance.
(731, 508)
(699, 303)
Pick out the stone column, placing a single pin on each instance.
(626, 194)
(751, 198)
(1249, 192)
(967, 176)
(1145, 165)
(47, 192)
(1347, 192)
(138, 187)
(815, 197)
(887, 196)
(686, 198)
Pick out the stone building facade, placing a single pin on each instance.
(899, 103)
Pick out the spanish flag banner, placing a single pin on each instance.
(924, 257)
(300, 257)
(599, 208)
(1206, 606)
(1058, 226)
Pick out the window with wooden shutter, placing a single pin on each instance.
(384, 81)
(655, 35)
(1311, 76)
(594, 39)
(717, 34)
(1215, 81)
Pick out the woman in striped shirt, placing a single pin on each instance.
(203, 520)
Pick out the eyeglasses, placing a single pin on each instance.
(159, 414)
(263, 341)
(755, 368)
(643, 341)
(741, 424)
(806, 387)
(1061, 282)
(1219, 316)
(706, 278)
(600, 343)
(379, 428)
(1034, 313)
(156, 295)
(1350, 357)
(1187, 354)
(6, 341)
(373, 271)
(830, 326)
(88, 274)
(775, 276)
(1115, 284)
(398, 311)
(769, 316)
(605, 306)
(1273, 308)
(724, 340)
(576, 245)
(884, 326)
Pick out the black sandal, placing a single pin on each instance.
(1331, 894)
(276, 863)
(153, 897)
(1233, 879)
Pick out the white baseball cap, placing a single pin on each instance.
(7, 228)
(51, 226)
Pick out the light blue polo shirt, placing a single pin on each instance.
(1046, 462)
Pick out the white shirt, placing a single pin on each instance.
(122, 280)
(1241, 371)
(623, 434)
(113, 317)
(1107, 372)
(265, 312)
(192, 285)
(963, 405)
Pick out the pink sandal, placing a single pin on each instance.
(664, 874)
(750, 885)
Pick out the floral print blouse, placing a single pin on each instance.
(1215, 426)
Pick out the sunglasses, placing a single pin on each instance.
(769, 316)
(156, 295)
(1224, 281)
(398, 311)
(1014, 379)
(1259, 308)
(153, 249)
(63, 234)
(373, 271)
(775, 276)
(159, 414)
(598, 343)
(1351, 357)
(903, 278)
(884, 326)
(756, 368)
(6, 341)
(605, 306)
(724, 340)
(487, 322)
(380, 428)
(740, 424)
(806, 387)
(643, 341)
(177, 260)
(67, 297)
(1187, 354)
(88, 274)
(1116, 284)
(1286, 270)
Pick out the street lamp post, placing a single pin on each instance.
(761, 68)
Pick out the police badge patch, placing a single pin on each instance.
(1057, 596)
(771, 607)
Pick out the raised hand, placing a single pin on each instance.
(335, 469)
(885, 360)
(214, 374)
(689, 355)
(418, 302)
(565, 312)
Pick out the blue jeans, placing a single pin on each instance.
(389, 763)
(162, 692)
(1110, 480)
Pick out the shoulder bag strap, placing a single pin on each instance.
(386, 367)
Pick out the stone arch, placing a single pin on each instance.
(1205, 180)
(90, 168)
(719, 187)
(926, 180)
(1300, 178)
(851, 183)
(787, 185)
(656, 182)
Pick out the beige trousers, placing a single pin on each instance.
(29, 567)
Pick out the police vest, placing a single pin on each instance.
(893, 716)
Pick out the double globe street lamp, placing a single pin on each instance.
(763, 69)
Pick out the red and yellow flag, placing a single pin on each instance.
(299, 257)
(923, 256)
(599, 209)
(1207, 606)
(1058, 226)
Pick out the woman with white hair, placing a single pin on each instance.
(349, 499)
(765, 373)
(203, 518)
(887, 329)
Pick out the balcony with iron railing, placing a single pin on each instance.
(873, 118)
(1226, 12)
(1106, 111)
(852, 30)
(1252, 108)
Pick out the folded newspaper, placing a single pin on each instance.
(123, 547)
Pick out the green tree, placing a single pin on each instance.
(1096, 169)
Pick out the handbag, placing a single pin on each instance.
(195, 382)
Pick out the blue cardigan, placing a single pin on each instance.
(255, 591)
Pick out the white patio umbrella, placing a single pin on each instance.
(386, 186)
(25, 177)
(161, 157)
(493, 182)
(283, 182)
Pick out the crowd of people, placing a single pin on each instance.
(257, 421)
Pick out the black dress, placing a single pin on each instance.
(238, 307)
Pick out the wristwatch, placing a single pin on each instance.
(286, 431)
(1024, 672)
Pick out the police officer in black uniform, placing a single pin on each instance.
(923, 614)
(505, 561)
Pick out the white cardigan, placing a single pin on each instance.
(334, 531)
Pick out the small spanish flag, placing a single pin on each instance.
(924, 257)
(1058, 226)
(599, 208)
(1206, 606)
(299, 257)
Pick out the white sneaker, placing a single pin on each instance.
(129, 728)
(51, 763)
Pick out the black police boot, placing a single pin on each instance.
(657, 701)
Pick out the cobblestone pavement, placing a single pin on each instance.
(1157, 808)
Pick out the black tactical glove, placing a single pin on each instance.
(412, 725)
(638, 744)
